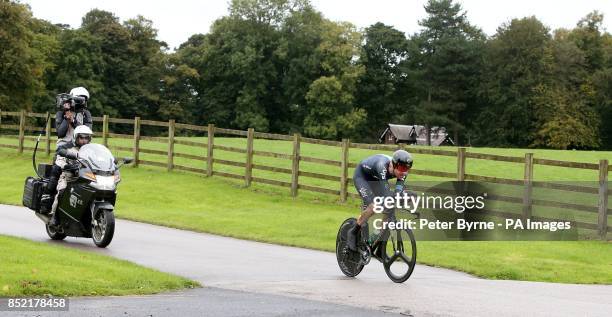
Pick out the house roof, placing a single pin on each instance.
(418, 134)
(438, 135)
(402, 132)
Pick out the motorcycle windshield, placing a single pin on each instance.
(98, 156)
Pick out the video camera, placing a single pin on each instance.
(77, 103)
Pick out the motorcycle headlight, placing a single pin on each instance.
(104, 182)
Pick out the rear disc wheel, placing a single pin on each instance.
(349, 261)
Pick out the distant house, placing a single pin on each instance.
(414, 134)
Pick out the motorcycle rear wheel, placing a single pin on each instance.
(54, 234)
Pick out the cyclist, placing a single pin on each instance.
(371, 180)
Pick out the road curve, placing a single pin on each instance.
(253, 267)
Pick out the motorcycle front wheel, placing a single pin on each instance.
(103, 228)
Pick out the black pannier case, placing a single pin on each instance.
(32, 193)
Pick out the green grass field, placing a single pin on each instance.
(448, 164)
(265, 213)
(36, 269)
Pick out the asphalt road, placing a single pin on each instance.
(295, 281)
(207, 301)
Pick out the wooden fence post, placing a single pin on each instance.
(602, 219)
(105, 130)
(249, 157)
(0, 122)
(295, 166)
(136, 148)
(209, 153)
(344, 172)
(48, 134)
(21, 130)
(461, 164)
(528, 179)
(170, 144)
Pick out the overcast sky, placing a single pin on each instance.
(178, 19)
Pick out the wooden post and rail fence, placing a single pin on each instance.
(527, 201)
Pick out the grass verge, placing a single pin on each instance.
(36, 269)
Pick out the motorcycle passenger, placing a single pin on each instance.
(72, 116)
(82, 136)
(371, 180)
(69, 117)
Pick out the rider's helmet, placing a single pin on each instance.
(84, 133)
(80, 91)
(402, 160)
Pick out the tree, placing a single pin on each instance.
(596, 46)
(271, 12)
(382, 89)
(446, 63)
(238, 73)
(121, 64)
(79, 62)
(330, 98)
(23, 57)
(518, 59)
(564, 121)
(257, 65)
(588, 37)
(45, 47)
(299, 65)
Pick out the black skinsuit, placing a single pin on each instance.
(371, 178)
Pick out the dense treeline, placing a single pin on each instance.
(281, 66)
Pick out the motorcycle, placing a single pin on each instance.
(86, 206)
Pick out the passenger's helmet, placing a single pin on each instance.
(401, 157)
(80, 91)
(82, 131)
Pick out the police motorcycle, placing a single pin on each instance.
(86, 206)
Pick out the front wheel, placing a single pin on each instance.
(103, 228)
(54, 234)
(400, 255)
(350, 262)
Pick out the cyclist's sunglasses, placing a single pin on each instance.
(403, 168)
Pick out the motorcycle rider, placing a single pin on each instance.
(82, 135)
(66, 120)
(371, 180)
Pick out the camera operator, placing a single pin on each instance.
(72, 113)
